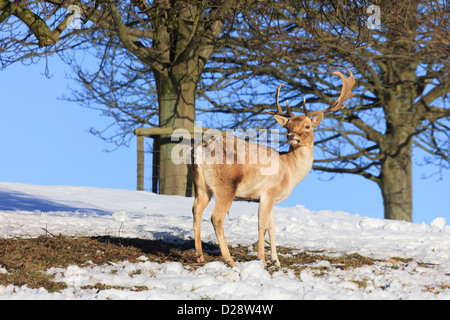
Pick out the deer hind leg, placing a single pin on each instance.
(202, 199)
(223, 203)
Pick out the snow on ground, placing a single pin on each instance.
(26, 209)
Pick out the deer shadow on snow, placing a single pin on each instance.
(170, 248)
(167, 248)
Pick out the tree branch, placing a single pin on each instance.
(38, 27)
(359, 171)
(434, 113)
(146, 55)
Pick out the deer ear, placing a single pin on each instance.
(281, 120)
(317, 120)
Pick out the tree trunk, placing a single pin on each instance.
(176, 97)
(184, 43)
(396, 185)
(398, 95)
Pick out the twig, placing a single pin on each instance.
(47, 232)
(120, 228)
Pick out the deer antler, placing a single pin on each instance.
(280, 112)
(346, 93)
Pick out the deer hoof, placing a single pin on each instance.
(200, 259)
(230, 263)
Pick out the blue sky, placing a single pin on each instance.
(45, 140)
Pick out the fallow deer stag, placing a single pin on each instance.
(246, 181)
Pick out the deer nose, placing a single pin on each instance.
(291, 136)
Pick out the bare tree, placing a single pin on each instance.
(233, 54)
(169, 41)
(402, 70)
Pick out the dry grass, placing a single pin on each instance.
(26, 259)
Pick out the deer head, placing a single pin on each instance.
(300, 128)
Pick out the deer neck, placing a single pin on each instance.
(299, 161)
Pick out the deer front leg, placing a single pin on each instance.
(273, 246)
(264, 211)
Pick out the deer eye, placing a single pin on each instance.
(307, 127)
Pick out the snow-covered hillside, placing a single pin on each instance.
(85, 211)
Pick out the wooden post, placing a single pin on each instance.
(157, 134)
(140, 163)
(155, 166)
